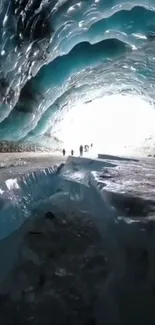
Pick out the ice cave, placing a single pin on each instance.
(77, 234)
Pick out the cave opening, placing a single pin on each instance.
(115, 124)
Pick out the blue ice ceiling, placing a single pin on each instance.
(56, 53)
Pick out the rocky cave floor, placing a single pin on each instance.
(62, 262)
(58, 274)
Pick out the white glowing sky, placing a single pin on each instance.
(111, 123)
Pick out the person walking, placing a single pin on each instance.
(63, 152)
(72, 152)
(81, 150)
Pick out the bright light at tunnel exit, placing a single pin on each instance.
(111, 123)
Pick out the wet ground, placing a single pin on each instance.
(60, 273)
(63, 263)
(57, 279)
(16, 164)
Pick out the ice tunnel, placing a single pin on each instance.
(77, 235)
(92, 55)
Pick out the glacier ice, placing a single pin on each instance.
(55, 53)
(52, 55)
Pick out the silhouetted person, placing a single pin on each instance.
(64, 152)
(86, 148)
(81, 150)
(91, 145)
(72, 152)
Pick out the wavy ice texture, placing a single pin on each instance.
(55, 53)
